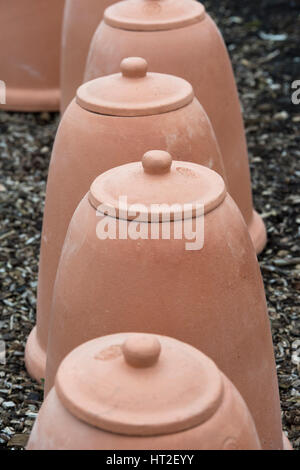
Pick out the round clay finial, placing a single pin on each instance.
(134, 67)
(141, 350)
(157, 162)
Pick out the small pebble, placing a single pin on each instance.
(282, 116)
(8, 404)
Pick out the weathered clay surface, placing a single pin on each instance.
(30, 43)
(81, 19)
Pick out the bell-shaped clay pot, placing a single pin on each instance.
(113, 121)
(195, 277)
(135, 391)
(180, 38)
(30, 42)
(81, 19)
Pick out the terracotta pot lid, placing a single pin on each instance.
(138, 384)
(135, 92)
(154, 186)
(154, 15)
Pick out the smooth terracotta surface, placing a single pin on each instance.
(105, 398)
(180, 38)
(88, 143)
(81, 19)
(212, 298)
(30, 42)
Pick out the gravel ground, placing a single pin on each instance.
(263, 39)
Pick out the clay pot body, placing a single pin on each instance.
(218, 420)
(87, 144)
(30, 42)
(195, 51)
(81, 19)
(212, 298)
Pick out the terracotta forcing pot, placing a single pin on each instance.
(180, 38)
(149, 275)
(104, 398)
(81, 19)
(30, 41)
(114, 120)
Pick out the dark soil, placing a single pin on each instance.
(263, 38)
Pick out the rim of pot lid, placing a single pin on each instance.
(134, 91)
(139, 384)
(158, 189)
(154, 15)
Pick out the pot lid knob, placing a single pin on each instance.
(141, 351)
(157, 162)
(134, 67)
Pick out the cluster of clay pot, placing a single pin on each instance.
(121, 321)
